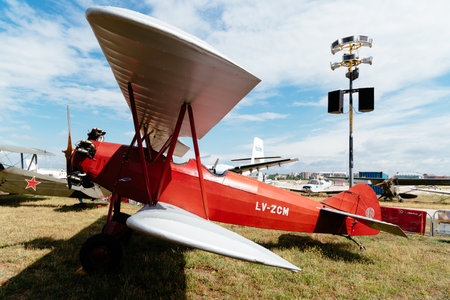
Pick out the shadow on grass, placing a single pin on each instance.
(150, 269)
(43, 243)
(345, 251)
(81, 206)
(444, 241)
(17, 200)
(39, 243)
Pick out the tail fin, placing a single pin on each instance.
(359, 200)
(354, 212)
(258, 150)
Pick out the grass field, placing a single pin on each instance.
(40, 238)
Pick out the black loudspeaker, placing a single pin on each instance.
(336, 102)
(366, 100)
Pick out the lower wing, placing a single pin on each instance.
(177, 225)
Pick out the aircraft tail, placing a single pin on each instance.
(354, 212)
(258, 150)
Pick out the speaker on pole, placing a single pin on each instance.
(366, 99)
(336, 102)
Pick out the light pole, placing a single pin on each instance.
(351, 60)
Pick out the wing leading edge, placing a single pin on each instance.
(174, 224)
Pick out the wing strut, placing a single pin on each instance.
(197, 159)
(139, 141)
(147, 143)
(173, 143)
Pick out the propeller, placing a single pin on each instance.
(215, 165)
(69, 150)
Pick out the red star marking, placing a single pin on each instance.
(32, 183)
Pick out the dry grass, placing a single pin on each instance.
(41, 237)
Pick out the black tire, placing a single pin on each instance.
(121, 218)
(100, 253)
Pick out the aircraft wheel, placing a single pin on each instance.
(124, 233)
(100, 253)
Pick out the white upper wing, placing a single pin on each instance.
(168, 67)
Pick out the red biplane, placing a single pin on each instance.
(177, 85)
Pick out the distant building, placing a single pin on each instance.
(435, 176)
(305, 175)
(333, 174)
(408, 175)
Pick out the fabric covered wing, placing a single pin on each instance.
(168, 67)
(174, 224)
(372, 223)
(18, 149)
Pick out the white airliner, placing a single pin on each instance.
(257, 162)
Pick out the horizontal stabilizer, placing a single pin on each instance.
(258, 166)
(372, 223)
(176, 225)
(255, 158)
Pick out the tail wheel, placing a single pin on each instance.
(100, 253)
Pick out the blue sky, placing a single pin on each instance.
(49, 58)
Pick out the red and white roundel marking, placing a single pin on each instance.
(370, 212)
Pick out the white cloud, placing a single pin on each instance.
(286, 43)
(261, 117)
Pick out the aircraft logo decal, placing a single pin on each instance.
(370, 212)
(32, 183)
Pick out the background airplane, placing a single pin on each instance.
(391, 187)
(314, 186)
(30, 179)
(257, 162)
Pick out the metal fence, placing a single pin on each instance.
(440, 222)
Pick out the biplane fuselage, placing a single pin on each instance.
(178, 86)
(230, 198)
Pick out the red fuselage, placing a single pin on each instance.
(231, 198)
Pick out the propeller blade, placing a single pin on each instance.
(68, 152)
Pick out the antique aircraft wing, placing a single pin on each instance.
(19, 181)
(372, 223)
(167, 67)
(445, 192)
(262, 165)
(422, 181)
(409, 181)
(25, 150)
(174, 224)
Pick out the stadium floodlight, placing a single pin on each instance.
(344, 43)
(351, 43)
(351, 60)
(335, 66)
(367, 60)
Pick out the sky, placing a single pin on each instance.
(49, 58)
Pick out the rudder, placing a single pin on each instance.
(359, 200)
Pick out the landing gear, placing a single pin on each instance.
(118, 227)
(361, 246)
(103, 252)
(100, 253)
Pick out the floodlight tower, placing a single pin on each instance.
(351, 60)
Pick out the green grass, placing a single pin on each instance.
(40, 239)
